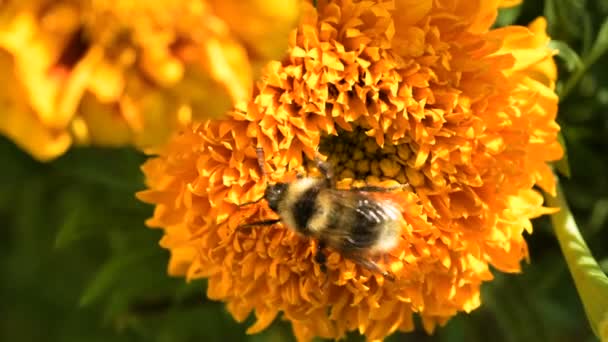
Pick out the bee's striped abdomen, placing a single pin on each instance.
(362, 224)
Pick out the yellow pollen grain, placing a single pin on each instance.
(370, 146)
(389, 167)
(362, 166)
(375, 168)
(357, 154)
(401, 177)
(372, 180)
(404, 152)
(333, 159)
(414, 177)
(389, 149)
(349, 164)
(344, 157)
(347, 174)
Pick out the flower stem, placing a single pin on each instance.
(591, 283)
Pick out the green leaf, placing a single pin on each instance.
(187, 289)
(70, 230)
(87, 164)
(108, 275)
(454, 331)
(591, 282)
(604, 265)
(599, 217)
(567, 54)
(565, 15)
(507, 16)
(587, 38)
(600, 46)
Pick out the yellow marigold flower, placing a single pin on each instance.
(414, 92)
(129, 72)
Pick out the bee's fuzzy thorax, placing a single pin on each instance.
(298, 204)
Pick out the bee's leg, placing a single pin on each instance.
(260, 223)
(261, 159)
(325, 169)
(372, 188)
(320, 257)
(370, 265)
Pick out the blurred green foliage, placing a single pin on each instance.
(79, 265)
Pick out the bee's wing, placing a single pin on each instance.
(374, 207)
(366, 212)
(355, 242)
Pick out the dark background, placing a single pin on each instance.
(77, 263)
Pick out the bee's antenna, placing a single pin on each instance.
(261, 223)
(325, 168)
(252, 202)
(261, 160)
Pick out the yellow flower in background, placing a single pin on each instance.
(129, 72)
(415, 92)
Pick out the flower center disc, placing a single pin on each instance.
(357, 159)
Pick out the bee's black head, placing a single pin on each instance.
(274, 194)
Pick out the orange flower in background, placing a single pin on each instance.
(129, 72)
(415, 92)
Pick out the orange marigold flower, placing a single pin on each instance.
(129, 72)
(416, 92)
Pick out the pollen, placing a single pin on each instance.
(356, 156)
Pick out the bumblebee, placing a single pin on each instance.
(358, 222)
